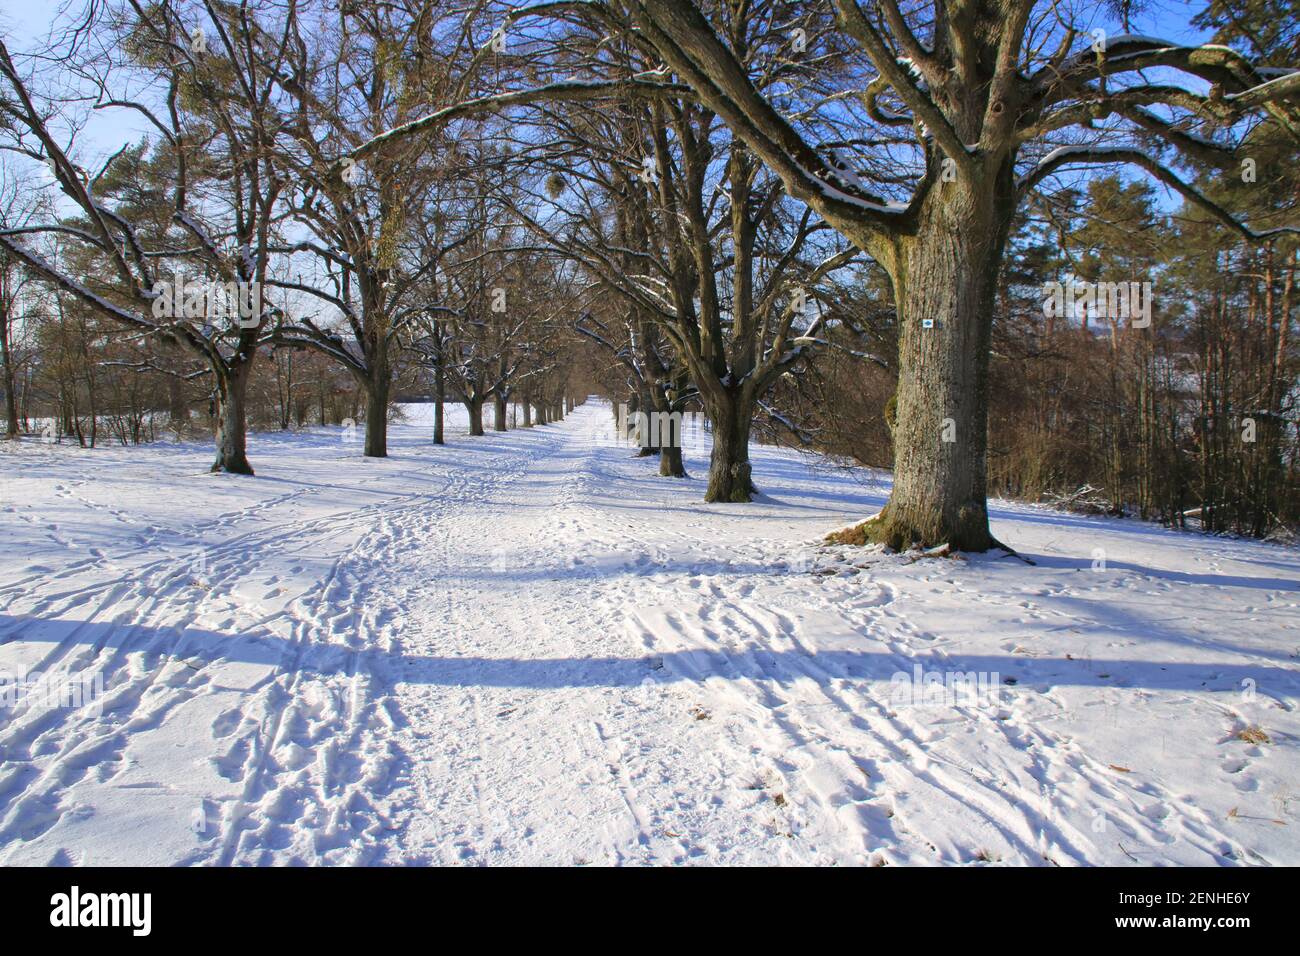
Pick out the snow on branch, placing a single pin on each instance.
(45, 270)
(1271, 91)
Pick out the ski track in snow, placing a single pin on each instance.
(528, 648)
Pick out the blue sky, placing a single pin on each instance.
(1169, 18)
(25, 23)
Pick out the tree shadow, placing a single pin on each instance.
(197, 647)
(1064, 563)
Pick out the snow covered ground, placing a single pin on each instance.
(529, 648)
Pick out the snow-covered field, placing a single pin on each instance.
(529, 648)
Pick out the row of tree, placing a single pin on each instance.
(832, 217)
(403, 261)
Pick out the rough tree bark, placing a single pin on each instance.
(947, 274)
(499, 409)
(640, 405)
(730, 474)
(670, 443)
(377, 418)
(670, 462)
(475, 408)
(439, 401)
(231, 420)
(11, 392)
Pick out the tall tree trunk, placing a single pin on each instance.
(499, 403)
(540, 410)
(232, 420)
(11, 392)
(641, 405)
(1277, 393)
(528, 413)
(439, 400)
(668, 440)
(377, 416)
(475, 408)
(730, 474)
(670, 462)
(947, 272)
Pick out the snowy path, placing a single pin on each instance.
(528, 648)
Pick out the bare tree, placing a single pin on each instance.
(694, 234)
(383, 95)
(215, 130)
(987, 98)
